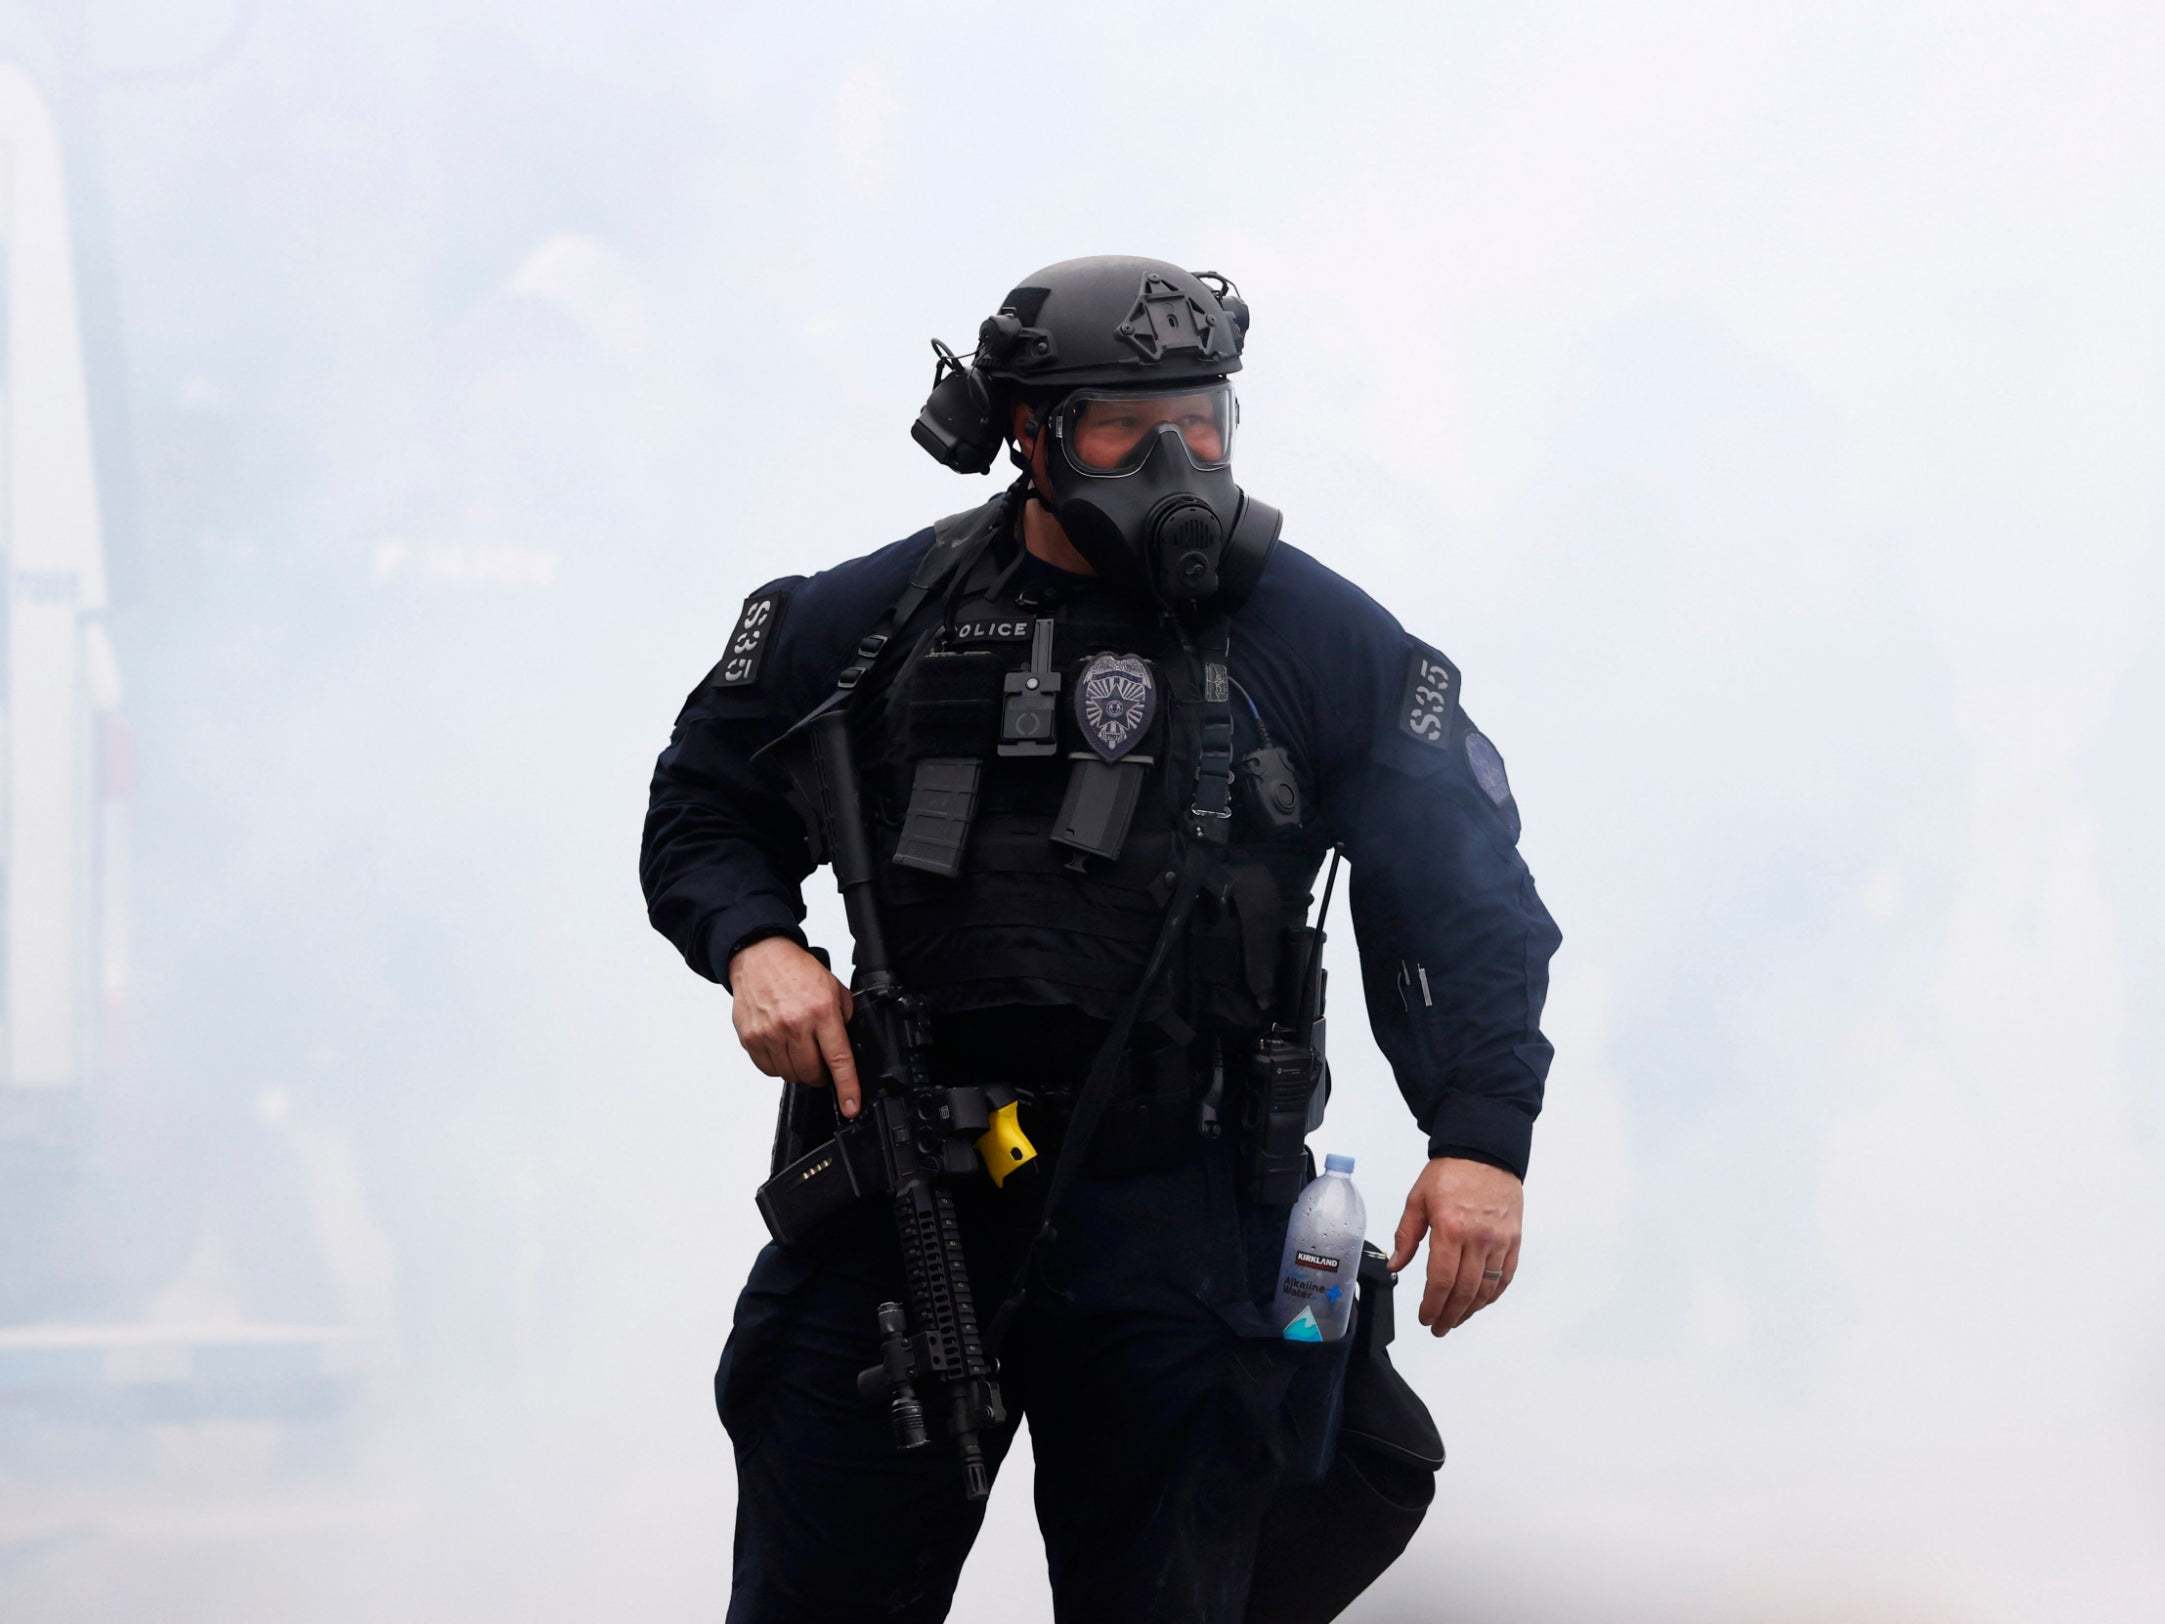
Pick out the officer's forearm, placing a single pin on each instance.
(1455, 945)
(710, 887)
(1465, 1049)
(725, 936)
(1482, 1128)
(722, 853)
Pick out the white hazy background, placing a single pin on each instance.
(1762, 405)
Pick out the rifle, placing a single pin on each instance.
(911, 1136)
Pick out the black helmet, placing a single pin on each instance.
(1112, 319)
(1107, 319)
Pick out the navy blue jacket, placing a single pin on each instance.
(1454, 942)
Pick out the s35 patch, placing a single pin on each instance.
(748, 642)
(1428, 705)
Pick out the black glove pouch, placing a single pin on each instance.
(1356, 1450)
(1373, 1490)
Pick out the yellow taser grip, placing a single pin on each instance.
(1004, 1147)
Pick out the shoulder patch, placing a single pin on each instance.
(1428, 703)
(1487, 765)
(748, 642)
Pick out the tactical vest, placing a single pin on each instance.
(989, 887)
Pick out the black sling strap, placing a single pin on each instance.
(958, 541)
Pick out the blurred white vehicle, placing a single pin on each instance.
(84, 1245)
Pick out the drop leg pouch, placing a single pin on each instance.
(1324, 1542)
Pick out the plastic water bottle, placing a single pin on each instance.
(1320, 1271)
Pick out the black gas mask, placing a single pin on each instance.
(1141, 480)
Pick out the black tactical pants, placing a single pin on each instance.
(1164, 1413)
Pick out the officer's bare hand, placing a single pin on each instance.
(791, 1014)
(1471, 1213)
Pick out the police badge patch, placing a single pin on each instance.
(1487, 767)
(1116, 699)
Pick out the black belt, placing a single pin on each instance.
(1150, 1123)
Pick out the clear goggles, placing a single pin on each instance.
(1112, 431)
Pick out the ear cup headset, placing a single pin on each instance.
(1126, 363)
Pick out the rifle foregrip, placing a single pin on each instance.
(944, 1315)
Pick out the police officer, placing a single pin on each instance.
(1109, 694)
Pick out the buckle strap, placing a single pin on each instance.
(956, 545)
(1210, 811)
(868, 653)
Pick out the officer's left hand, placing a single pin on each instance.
(1471, 1213)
